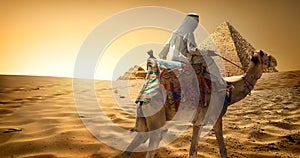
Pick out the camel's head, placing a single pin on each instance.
(267, 61)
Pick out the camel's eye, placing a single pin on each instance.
(267, 62)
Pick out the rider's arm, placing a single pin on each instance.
(192, 47)
(164, 52)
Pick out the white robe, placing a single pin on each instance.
(182, 46)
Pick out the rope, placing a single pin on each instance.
(230, 61)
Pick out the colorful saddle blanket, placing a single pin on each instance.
(163, 86)
(162, 82)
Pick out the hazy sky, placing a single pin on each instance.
(43, 37)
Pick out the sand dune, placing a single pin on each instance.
(38, 118)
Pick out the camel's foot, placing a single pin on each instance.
(193, 153)
(150, 154)
(193, 149)
(223, 154)
(126, 154)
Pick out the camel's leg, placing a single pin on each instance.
(220, 138)
(195, 139)
(197, 123)
(137, 140)
(155, 125)
(154, 141)
(140, 138)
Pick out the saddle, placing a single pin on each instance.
(162, 80)
(162, 83)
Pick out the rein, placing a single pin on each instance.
(245, 80)
(230, 62)
(265, 62)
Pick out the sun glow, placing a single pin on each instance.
(44, 37)
(127, 45)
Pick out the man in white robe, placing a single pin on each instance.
(182, 46)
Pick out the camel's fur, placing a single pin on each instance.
(242, 87)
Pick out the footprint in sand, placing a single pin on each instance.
(9, 130)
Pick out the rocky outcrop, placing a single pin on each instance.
(133, 73)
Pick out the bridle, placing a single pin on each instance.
(248, 84)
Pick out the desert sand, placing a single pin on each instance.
(38, 118)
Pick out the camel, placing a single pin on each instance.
(242, 87)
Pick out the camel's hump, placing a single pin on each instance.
(232, 78)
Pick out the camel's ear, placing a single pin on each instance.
(261, 53)
(272, 61)
(255, 59)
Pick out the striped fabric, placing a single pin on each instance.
(162, 84)
(152, 86)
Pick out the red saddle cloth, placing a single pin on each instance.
(173, 88)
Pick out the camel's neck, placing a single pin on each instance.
(253, 74)
(244, 85)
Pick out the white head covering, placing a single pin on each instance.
(182, 40)
(189, 23)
